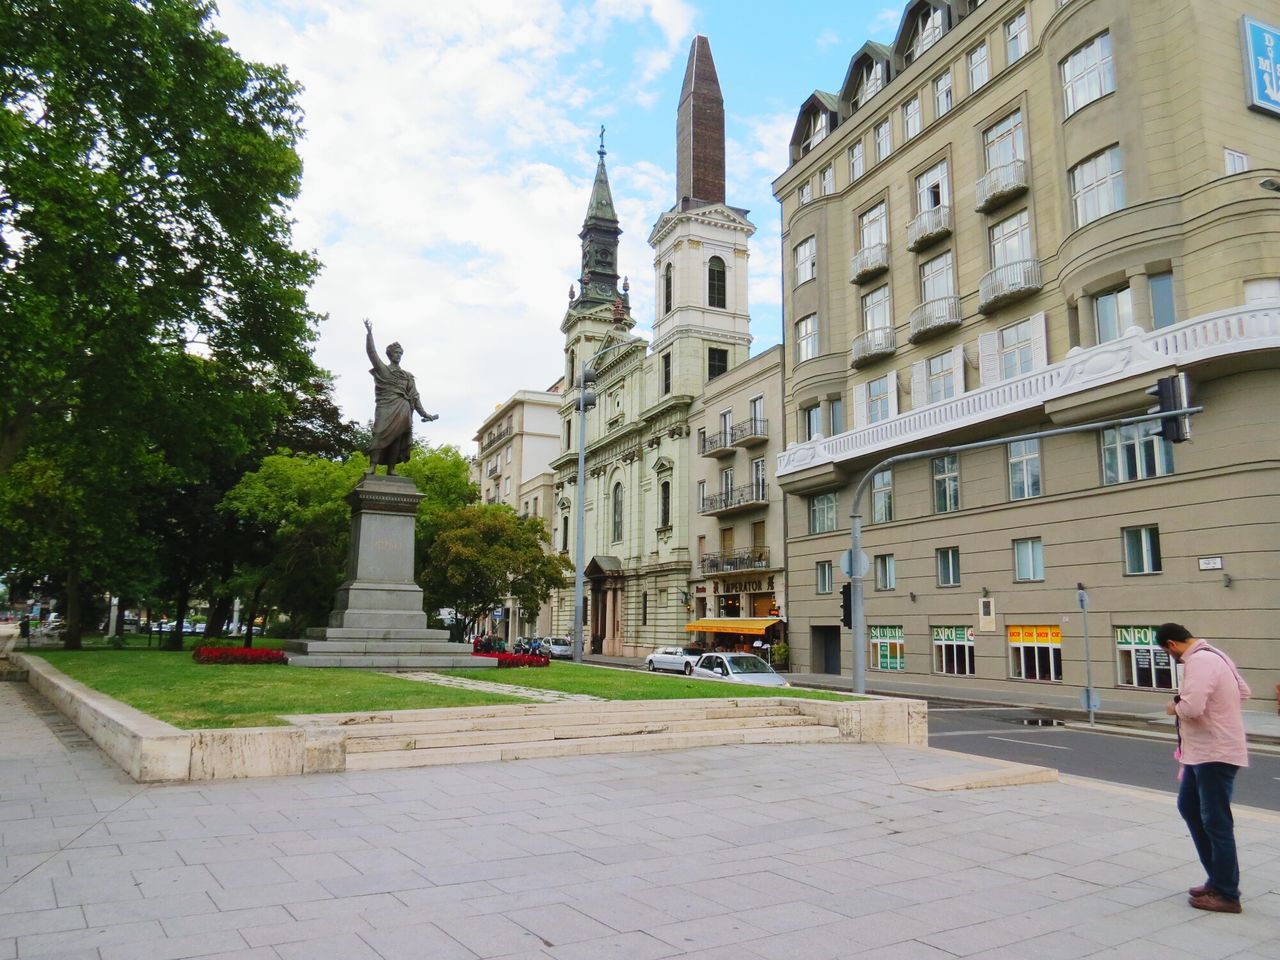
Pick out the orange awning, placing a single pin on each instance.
(753, 626)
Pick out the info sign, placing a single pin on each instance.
(1261, 44)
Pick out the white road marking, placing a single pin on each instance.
(1031, 743)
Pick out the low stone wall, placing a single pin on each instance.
(151, 750)
(874, 720)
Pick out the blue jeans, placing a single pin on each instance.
(1204, 800)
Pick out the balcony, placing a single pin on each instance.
(1007, 283)
(1000, 184)
(933, 317)
(749, 433)
(494, 469)
(494, 436)
(876, 344)
(732, 561)
(717, 445)
(869, 262)
(739, 498)
(928, 227)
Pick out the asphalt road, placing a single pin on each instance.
(1019, 734)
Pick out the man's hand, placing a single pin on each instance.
(1171, 708)
(368, 324)
(429, 417)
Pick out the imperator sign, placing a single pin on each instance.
(1261, 65)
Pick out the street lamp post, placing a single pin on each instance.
(586, 400)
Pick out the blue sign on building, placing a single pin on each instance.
(1262, 65)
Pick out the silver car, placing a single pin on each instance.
(560, 648)
(738, 668)
(675, 659)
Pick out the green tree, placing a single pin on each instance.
(483, 553)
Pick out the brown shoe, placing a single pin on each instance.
(1215, 902)
(1201, 890)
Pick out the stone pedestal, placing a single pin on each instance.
(377, 620)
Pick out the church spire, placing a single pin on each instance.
(599, 235)
(700, 129)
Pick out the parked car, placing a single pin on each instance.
(738, 668)
(561, 647)
(675, 659)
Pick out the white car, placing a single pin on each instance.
(561, 648)
(738, 668)
(675, 659)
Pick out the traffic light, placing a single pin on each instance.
(1172, 393)
(846, 604)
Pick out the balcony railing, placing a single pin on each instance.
(494, 469)
(730, 561)
(1007, 283)
(876, 344)
(749, 433)
(869, 262)
(928, 226)
(934, 317)
(739, 498)
(495, 437)
(717, 444)
(1000, 184)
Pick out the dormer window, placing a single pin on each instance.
(815, 131)
(926, 32)
(872, 81)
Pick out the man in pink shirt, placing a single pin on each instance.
(1212, 750)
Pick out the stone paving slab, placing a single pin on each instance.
(466, 683)
(724, 853)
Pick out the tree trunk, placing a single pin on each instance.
(73, 631)
(219, 614)
(253, 613)
(174, 640)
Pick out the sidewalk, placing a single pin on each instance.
(728, 853)
(1260, 726)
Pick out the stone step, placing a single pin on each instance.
(377, 646)
(569, 718)
(382, 633)
(391, 661)
(458, 738)
(596, 745)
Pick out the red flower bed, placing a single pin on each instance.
(516, 659)
(237, 655)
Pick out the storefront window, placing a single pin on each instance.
(1141, 662)
(888, 649)
(730, 606)
(953, 651)
(1035, 653)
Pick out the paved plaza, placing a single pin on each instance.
(726, 853)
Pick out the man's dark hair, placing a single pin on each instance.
(1175, 632)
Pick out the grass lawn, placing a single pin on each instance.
(613, 684)
(190, 695)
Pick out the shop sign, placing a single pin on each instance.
(1142, 641)
(756, 585)
(1262, 65)
(953, 634)
(1041, 634)
(889, 647)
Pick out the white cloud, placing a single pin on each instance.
(827, 39)
(885, 22)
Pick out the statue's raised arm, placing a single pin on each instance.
(396, 399)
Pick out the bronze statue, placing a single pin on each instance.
(397, 398)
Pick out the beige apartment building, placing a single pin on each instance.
(737, 588)
(1015, 218)
(514, 447)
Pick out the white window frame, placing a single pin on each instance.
(702, 495)
(1117, 304)
(811, 421)
(857, 161)
(878, 408)
(876, 312)
(1017, 36)
(822, 513)
(940, 376)
(806, 260)
(979, 63)
(816, 130)
(928, 30)
(1017, 349)
(886, 575)
(1025, 661)
(1010, 240)
(947, 566)
(1141, 546)
(1235, 161)
(884, 139)
(937, 278)
(1097, 185)
(827, 180)
(952, 646)
(1087, 74)
(1024, 469)
(882, 496)
(835, 405)
(873, 226)
(823, 581)
(943, 97)
(1135, 452)
(806, 338)
(1157, 290)
(1002, 142)
(945, 474)
(804, 194)
(872, 81)
(933, 188)
(1028, 560)
(911, 119)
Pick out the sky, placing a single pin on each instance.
(450, 149)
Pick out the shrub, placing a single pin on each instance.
(516, 659)
(238, 655)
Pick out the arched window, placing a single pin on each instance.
(715, 283)
(664, 504)
(668, 300)
(617, 513)
(564, 534)
(571, 376)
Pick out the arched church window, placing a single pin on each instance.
(668, 301)
(716, 296)
(664, 504)
(617, 513)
